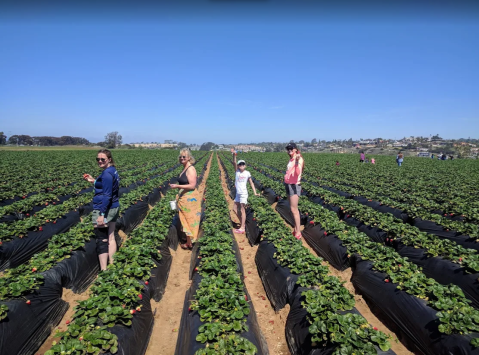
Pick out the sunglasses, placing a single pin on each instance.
(183, 156)
(101, 160)
(240, 164)
(289, 149)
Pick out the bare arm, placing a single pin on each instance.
(191, 176)
(253, 187)
(234, 162)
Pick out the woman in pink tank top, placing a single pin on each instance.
(292, 184)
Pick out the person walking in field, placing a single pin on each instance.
(373, 161)
(399, 158)
(292, 184)
(188, 199)
(106, 207)
(242, 176)
(361, 157)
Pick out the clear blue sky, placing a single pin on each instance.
(244, 72)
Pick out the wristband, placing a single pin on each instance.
(102, 214)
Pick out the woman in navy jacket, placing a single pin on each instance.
(106, 207)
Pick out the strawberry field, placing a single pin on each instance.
(388, 263)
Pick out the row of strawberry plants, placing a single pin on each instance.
(116, 294)
(409, 235)
(327, 298)
(51, 195)
(53, 211)
(220, 298)
(36, 172)
(451, 201)
(26, 278)
(454, 313)
(357, 181)
(413, 208)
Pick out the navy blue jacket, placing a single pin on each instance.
(106, 190)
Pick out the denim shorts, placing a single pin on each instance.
(292, 189)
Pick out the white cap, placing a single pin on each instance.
(241, 161)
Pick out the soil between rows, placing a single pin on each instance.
(272, 324)
(169, 309)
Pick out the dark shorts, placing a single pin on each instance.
(292, 189)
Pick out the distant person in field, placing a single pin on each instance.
(373, 161)
(399, 158)
(188, 200)
(432, 156)
(242, 177)
(361, 158)
(292, 183)
(106, 207)
(366, 160)
(337, 162)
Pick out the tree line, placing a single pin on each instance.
(112, 140)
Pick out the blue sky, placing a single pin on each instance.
(236, 74)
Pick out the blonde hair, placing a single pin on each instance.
(186, 150)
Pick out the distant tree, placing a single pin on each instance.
(463, 151)
(314, 141)
(436, 137)
(182, 145)
(113, 140)
(207, 146)
(301, 142)
(21, 140)
(291, 141)
(3, 139)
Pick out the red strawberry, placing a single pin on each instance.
(28, 214)
(311, 222)
(196, 269)
(386, 280)
(254, 219)
(132, 311)
(249, 272)
(54, 222)
(54, 203)
(189, 309)
(460, 259)
(24, 196)
(46, 203)
(451, 214)
(245, 297)
(146, 282)
(34, 269)
(81, 338)
(67, 322)
(138, 309)
(325, 233)
(140, 296)
(28, 302)
(400, 265)
(40, 229)
(375, 328)
(123, 305)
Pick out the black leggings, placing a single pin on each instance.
(102, 240)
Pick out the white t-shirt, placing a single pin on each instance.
(240, 182)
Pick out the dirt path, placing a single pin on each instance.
(169, 309)
(272, 324)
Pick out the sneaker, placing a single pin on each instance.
(239, 231)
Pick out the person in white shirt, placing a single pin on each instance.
(241, 199)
